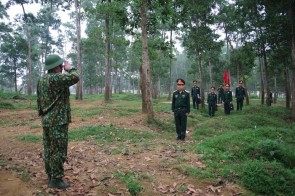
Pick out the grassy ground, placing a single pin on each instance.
(253, 148)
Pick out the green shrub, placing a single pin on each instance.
(6, 105)
(131, 182)
(267, 178)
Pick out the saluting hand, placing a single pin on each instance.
(67, 65)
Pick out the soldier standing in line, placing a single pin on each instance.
(220, 93)
(181, 108)
(227, 99)
(54, 109)
(212, 101)
(195, 93)
(240, 94)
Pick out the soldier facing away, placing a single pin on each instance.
(180, 108)
(220, 93)
(240, 94)
(212, 101)
(227, 99)
(54, 109)
(195, 93)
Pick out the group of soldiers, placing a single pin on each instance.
(181, 102)
(54, 109)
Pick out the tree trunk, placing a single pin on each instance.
(276, 90)
(261, 81)
(247, 95)
(145, 69)
(115, 81)
(238, 71)
(201, 78)
(266, 78)
(79, 91)
(15, 75)
(107, 93)
(210, 74)
(29, 66)
(292, 22)
(170, 68)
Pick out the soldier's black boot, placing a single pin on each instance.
(58, 183)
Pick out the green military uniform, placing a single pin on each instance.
(212, 103)
(181, 107)
(195, 93)
(227, 99)
(240, 94)
(54, 108)
(220, 94)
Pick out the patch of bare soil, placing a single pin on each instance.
(91, 167)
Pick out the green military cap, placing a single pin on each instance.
(180, 81)
(52, 61)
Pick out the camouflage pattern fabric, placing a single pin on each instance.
(53, 97)
(54, 108)
(55, 142)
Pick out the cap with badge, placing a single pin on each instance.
(180, 81)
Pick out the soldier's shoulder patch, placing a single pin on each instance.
(186, 91)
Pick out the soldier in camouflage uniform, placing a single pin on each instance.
(212, 101)
(181, 108)
(240, 94)
(227, 99)
(54, 108)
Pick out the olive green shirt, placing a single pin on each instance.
(240, 92)
(181, 100)
(227, 96)
(212, 98)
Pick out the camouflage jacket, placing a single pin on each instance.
(53, 97)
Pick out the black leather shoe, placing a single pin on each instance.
(59, 184)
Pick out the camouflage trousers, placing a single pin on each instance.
(55, 141)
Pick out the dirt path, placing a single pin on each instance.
(92, 167)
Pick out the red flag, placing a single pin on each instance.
(228, 77)
(224, 77)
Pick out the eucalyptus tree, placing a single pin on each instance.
(107, 12)
(47, 17)
(242, 63)
(27, 18)
(13, 54)
(263, 23)
(198, 35)
(3, 27)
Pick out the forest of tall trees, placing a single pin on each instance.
(143, 46)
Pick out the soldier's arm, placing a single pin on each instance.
(173, 102)
(39, 99)
(188, 104)
(70, 78)
(231, 96)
